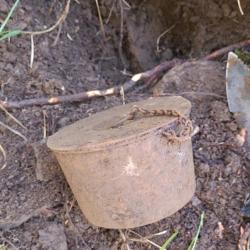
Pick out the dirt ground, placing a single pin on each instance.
(37, 208)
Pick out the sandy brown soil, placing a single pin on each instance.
(33, 184)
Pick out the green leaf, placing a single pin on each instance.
(8, 16)
(3, 247)
(169, 240)
(194, 241)
(8, 34)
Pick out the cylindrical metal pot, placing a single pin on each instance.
(130, 174)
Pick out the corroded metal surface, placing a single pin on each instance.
(129, 175)
(238, 89)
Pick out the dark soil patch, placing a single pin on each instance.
(82, 61)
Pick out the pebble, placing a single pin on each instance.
(53, 237)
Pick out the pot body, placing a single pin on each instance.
(131, 183)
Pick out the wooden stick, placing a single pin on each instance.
(150, 76)
(225, 50)
(82, 96)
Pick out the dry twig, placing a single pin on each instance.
(225, 50)
(143, 239)
(4, 157)
(150, 77)
(11, 116)
(13, 131)
(118, 90)
(100, 19)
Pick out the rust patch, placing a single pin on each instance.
(232, 61)
(247, 80)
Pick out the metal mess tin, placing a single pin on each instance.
(130, 165)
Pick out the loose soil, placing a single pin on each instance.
(33, 186)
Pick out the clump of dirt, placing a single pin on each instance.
(159, 30)
(81, 60)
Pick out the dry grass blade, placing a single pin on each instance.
(126, 4)
(160, 36)
(193, 244)
(124, 238)
(157, 234)
(8, 16)
(11, 116)
(7, 34)
(57, 35)
(100, 18)
(121, 30)
(32, 51)
(59, 21)
(13, 131)
(240, 8)
(4, 157)
(143, 239)
(110, 12)
(44, 125)
(169, 240)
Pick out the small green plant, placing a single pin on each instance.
(3, 247)
(4, 34)
(194, 241)
(169, 240)
(243, 55)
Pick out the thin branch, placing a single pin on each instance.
(82, 96)
(60, 99)
(149, 76)
(225, 50)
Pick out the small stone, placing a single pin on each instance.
(46, 164)
(167, 54)
(204, 168)
(196, 201)
(53, 238)
(63, 122)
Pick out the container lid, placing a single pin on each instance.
(101, 128)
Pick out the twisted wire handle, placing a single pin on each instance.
(186, 127)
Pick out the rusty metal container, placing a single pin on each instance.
(127, 174)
